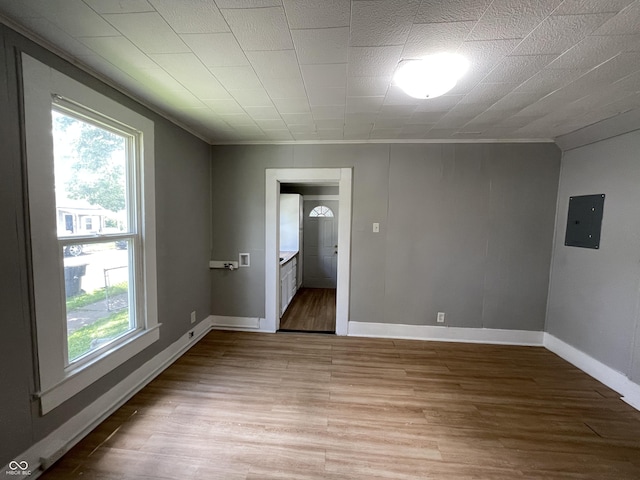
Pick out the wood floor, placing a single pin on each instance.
(256, 406)
(311, 310)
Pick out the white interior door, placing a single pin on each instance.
(320, 227)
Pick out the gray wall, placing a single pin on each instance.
(594, 294)
(464, 229)
(183, 222)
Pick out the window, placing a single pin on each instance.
(321, 211)
(94, 162)
(91, 206)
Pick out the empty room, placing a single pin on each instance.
(320, 239)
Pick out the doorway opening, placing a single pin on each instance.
(313, 307)
(325, 261)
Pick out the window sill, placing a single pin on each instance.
(80, 378)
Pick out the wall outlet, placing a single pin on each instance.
(440, 317)
(191, 334)
(193, 317)
(376, 227)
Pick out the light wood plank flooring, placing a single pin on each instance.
(242, 406)
(311, 310)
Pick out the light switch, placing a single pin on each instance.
(376, 228)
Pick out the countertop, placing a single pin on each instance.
(286, 256)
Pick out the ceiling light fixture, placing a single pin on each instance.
(430, 76)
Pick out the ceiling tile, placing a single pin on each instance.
(262, 113)
(360, 118)
(437, 11)
(248, 3)
(239, 120)
(547, 81)
(428, 38)
(120, 6)
(275, 64)
(396, 111)
(225, 107)
(357, 131)
(321, 45)
(158, 81)
(330, 133)
(292, 87)
(337, 123)
(373, 61)
(375, 23)
(367, 86)
(237, 78)
(396, 96)
(364, 104)
(607, 73)
(119, 51)
(487, 93)
(259, 28)
(385, 133)
(624, 23)
(56, 36)
(556, 34)
(298, 118)
(190, 72)
(279, 134)
(314, 14)
(439, 104)
(328, 76)
(304, 128)
(517, 69)
(630, 83)
(148, 31)
(252, 98)
(512, 18)
(484, 55)
(415, 130)
(571, 7)
(515, 101)
(292, 105)
(216, 49)
(271, 124)
(327, 96)
(196, 16)
(425, 118)
(74, 17)
(332, 112)
(594, 50)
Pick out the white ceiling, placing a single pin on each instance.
(277, 70)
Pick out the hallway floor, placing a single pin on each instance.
(311, 310)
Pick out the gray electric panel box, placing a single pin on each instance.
(584, 221)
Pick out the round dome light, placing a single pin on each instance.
(430, 76)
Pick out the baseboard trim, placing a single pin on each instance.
(48, 450)
(243, 324)
(613, 379)
(446, 334)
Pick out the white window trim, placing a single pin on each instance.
(58, 383)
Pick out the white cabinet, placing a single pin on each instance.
(288, 283)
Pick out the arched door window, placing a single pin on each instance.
(321, 211)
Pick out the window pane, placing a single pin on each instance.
(97, 288)
(321, 211)
(90, 177)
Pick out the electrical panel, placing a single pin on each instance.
(584, 221)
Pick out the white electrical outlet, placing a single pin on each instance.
(440, 317)
(193, 317)
(376, 227)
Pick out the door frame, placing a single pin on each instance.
(275, 176)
